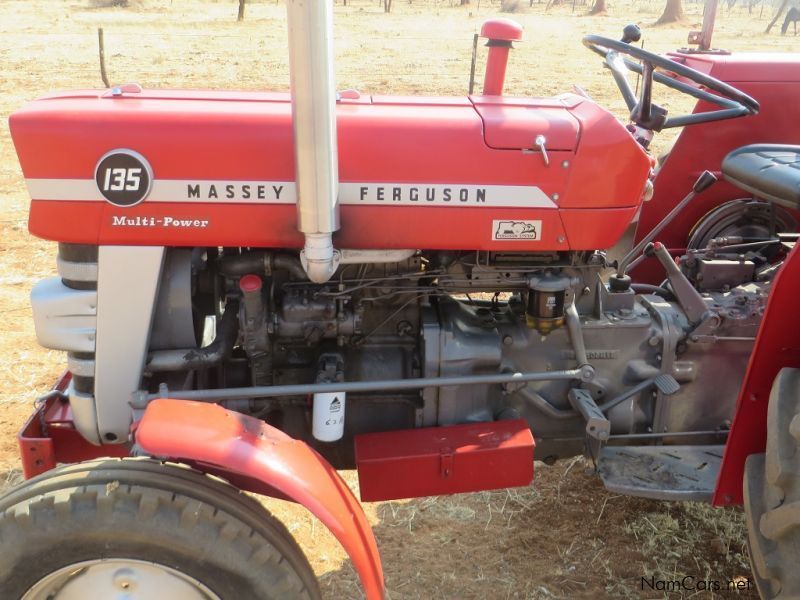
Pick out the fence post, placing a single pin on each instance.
(102, 49)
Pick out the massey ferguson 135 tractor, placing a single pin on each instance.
(256, 289)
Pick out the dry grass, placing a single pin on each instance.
(564, 538)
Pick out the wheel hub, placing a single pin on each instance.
(118, 579)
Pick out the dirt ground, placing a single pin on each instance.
(563, 537)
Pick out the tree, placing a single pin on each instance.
(240, 16)
(777, 16)
(673, 12)
(598, 8)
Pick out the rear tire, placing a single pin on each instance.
(772, 494)
(191, 526)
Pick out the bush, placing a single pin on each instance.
(510, 6)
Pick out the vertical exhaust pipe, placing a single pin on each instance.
(314, 121)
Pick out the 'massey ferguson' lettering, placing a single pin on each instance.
(415, 194)
(234, 191)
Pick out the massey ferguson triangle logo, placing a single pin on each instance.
(124, 177)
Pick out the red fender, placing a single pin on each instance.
(260, 458)
(777, 346)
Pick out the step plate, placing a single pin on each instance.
(661, 472)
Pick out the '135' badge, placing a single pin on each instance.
(124, 177)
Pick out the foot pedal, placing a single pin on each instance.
(666, 384)
(661, 472)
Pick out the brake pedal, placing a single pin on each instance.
(666, 384)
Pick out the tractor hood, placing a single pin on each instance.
(202, 168)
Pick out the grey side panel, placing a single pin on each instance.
(64, 318)
(127, 285)
(84, 415)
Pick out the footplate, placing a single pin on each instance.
(661, 472)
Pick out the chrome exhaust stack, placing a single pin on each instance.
(314, 120)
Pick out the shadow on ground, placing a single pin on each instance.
(565, 537)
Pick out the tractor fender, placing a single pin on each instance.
(259, 458)
(777, 346)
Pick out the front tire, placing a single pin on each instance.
(100, 528)
(772, 494)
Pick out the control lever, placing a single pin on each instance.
(663, 382)
(621, 281)
(631, 33)
(541, 143)
(685, 293)
(597, 426)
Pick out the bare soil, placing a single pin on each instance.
(563, 537)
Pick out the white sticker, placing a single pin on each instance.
(512, 230)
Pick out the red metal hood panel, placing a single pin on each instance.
(744, 66)
(514, 124)
(413, 174)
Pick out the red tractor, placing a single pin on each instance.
(257, 289)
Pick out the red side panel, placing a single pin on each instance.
(772, 79)
(515, 127)
(49, 437)
(777, 346)
(594, 227)
(444, 460)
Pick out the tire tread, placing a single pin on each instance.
(772, 494)
(106, 495)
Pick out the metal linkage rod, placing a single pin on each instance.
(273, 391)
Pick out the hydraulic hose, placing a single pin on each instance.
(187, 359)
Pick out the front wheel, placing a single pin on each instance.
(138, 528)
(772, 494)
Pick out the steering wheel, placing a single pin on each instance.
(732, 103)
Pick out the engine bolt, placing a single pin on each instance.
(508, 340)
(124, 579)
(565, 164)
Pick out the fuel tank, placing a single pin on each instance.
(190, 168)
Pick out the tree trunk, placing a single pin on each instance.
(240, 16)
(777, 16)
(598, 8)
(463, 2)
(673, 12)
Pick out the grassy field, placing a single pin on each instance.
(564, 537)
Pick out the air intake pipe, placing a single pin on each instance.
(501, 33)
(314, 120)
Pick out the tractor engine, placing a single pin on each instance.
(252, 318)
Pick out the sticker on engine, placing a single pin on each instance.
(516, 230)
